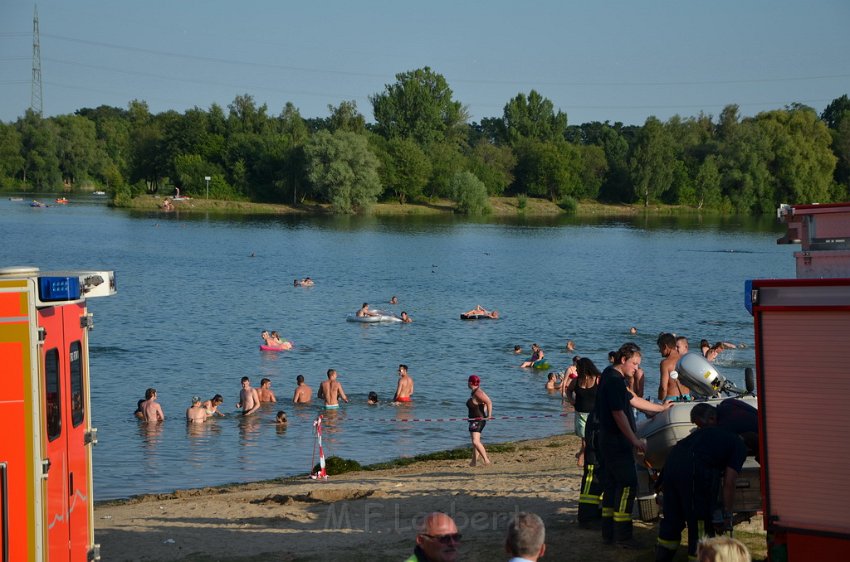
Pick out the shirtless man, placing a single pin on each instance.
(303, 393)
(196, 413)
(405, 318)
(151, 411)
(331, 391)
(669, 389)
(405, 385)
(249, 401)
(682, 345)
(364, 311)
(265, 391)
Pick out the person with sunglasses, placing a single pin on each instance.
(437, 539)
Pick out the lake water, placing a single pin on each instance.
(194, 293)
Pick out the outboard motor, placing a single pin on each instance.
(699, 375)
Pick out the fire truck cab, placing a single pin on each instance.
(46, 500)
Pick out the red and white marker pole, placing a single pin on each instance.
(322, 473)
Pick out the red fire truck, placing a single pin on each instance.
(45, 452)
(802, 338)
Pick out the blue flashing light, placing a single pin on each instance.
(52, 289)
(748, 295)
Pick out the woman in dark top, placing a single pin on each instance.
(581, 393)
(480, 407)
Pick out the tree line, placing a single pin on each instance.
(422, 145)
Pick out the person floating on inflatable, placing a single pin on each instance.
(272, 341)
(536, 361)
(479, 312)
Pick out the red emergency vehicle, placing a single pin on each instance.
(45, 452)
(802, 339)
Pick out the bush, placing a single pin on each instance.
(339, 465)
(521, 201)
(470, 194)
(568, 204)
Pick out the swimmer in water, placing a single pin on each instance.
(404, 389)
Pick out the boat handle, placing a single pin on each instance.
(4, 489)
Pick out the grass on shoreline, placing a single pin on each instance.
(501, 207)
(460, 453)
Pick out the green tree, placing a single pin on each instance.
(345, 117)
(837, 117)
(836, 111)
(533, 117)
(112, 125)
(652, 163)
(77, 148)
(38, 143)
(148, 162)
(494, 165)
(592, 171)
(11, 161)
(470, 194)
(707, 191)
(419, 106)
(548, 169)
(292, 175)
(745, 169)
(406, 170)
(343, 171)
(841, 149)
(245, 117)
(804, 163)
(446, 161)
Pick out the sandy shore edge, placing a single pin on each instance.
(366, 515)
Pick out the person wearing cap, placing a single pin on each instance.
(196, 413)
(480, 409)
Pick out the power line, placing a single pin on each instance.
(455, 80)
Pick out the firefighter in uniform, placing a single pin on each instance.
(617, 443)
(694, 472)
(590, 496)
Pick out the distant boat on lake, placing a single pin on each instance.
(98, 193)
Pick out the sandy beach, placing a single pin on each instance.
(367, 515)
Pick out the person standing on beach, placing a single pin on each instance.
(437, 539)
(249, 401)
(405, 385)
(617, 440)
(303, 393)
(526, 540)
(151, 410)
(581, 393)
(480, 409)
(331, 391)
(265, 392)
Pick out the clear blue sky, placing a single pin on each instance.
(595, 60)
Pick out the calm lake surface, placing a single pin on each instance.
(192, 302)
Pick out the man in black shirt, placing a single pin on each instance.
(617, 441)
(691, 481)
